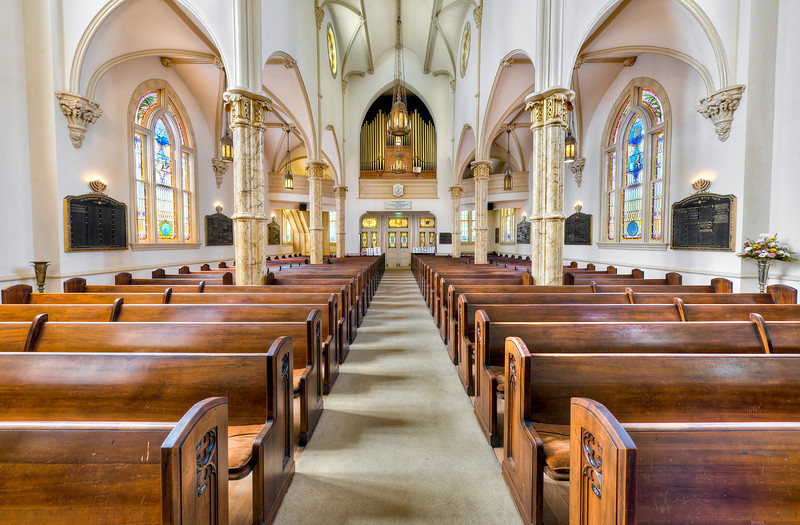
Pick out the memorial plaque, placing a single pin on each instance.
(95, 222)
(219, 230)
(445, 238)
(273, 232)
(524, 232)
(704, 221)
(578, 229)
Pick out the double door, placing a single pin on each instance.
(398, 251)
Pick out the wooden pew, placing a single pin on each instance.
(717, 387)
(192, 313)
(585, 277)
(126, 278)
(525, 323)
(665, 468)
(115, 470)
(237, 338)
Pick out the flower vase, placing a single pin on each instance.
(763, 272)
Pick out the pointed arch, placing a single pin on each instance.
(283, 83)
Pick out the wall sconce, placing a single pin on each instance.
(578, 206)
(700, 184)
(97, 185)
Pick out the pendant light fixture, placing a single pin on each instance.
(570, 144)
(508, 180)
(398, 124)
(226, 143)
(288, 180)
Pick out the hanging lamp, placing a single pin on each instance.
(570, 144)
(288, 180)
(399, 123)
(508, 180)
(226, 143)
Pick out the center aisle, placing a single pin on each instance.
(398, 441)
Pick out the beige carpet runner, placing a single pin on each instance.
(398, 441)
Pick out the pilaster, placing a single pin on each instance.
(481, 171)
(248, 114)
(455, 201)
(339, 193)
(315, 170)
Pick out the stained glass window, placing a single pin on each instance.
(398, 222)
(506, 225)
(369, 222)
(374, 239)
(147, 103)
(332, 227)
(363, 240)
(432, 238)
(404, 239)
(658, 184)
(171, 111)
(651, 102)
(422, 238)
(632, 191)
(287, 227)
(622, 113)
(392, 240)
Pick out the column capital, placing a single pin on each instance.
(481, 168)
(339, 191)
(550, 106)
(80, 112)
(315, 168)
(246, 106)
(719, 108)
(456, 191)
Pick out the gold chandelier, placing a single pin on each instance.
(398, 123)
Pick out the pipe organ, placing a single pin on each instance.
(380, 151)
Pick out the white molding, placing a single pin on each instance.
(645, 246)
(137, 246)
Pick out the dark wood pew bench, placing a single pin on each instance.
(237, 338)
(666, 470)
(636, 387)
(115, 470)
(125, 278)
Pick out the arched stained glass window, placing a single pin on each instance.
(163, 170)
(637, 134)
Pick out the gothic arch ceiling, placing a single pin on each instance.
(633, 29)
(170, 34)
(366, 35)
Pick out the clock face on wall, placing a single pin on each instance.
(465, 37)
(332, 59)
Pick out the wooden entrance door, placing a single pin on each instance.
(398, 250)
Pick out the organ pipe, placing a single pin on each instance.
(375, 143)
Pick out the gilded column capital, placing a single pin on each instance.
(80, 112)
(319, 14)
(481, 168)
(315, 168)
(719, 108)
(456, 191)
(220, 167)
(576, 167)
(246, 107)
(339, 191)
(550, 106)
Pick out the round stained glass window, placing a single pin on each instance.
(165, 228)
(633, 229)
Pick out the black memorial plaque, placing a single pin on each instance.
(95, 222)
(524, 232)
(704, 221)
(273, 232)
(578, 229)
(219, 230)
(445, 238)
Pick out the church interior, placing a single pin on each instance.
(491, 261)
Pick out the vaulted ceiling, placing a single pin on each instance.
(365, 30)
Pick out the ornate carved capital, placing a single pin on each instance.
(576, 167)
(536, 107)
(315, 169)
(477, 14)
(319, 13)
(220, 167)
(339, 191)
(719, 107)
(246, 107)
(456, 191)
(481, 169)
(80, 112)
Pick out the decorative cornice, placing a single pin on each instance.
(576, 167)
(80, 112)
(220, 167)
(719, 108)
(246, 107)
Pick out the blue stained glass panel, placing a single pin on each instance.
(650, 101)
(163, 154)
(633, 153)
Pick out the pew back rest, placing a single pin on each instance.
(658, 387)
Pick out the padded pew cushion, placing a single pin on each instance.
(240, 445)
(296, 375)
(555, 439)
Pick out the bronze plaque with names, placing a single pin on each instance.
(524, 232)
(578, 229)
(704, 221)
(273, 232)
(95, 222)
(445, 238)
(219, 230)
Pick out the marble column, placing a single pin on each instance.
(339, 193)
(315, 169)
(548, 124)
(455, 200)
(481, 171)
(248, 115)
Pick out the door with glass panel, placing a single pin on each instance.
(398, 249)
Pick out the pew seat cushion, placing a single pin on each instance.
(240, 445)
(555, 440)
(296, 375)
(499, 372)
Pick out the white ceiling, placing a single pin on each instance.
(365, 30)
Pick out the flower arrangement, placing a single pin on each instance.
(766, 249)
